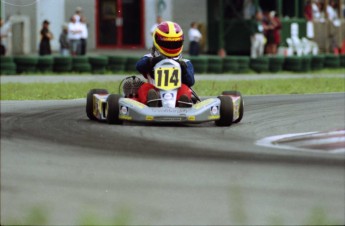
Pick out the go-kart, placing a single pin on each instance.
(117, 108)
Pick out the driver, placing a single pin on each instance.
(168, 43)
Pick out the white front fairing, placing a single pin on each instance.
(168, 98)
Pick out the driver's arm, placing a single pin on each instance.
(187, 72)
(144, 65)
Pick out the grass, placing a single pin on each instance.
(39, 216)
(59, 91)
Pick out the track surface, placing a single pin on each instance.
(53, 157)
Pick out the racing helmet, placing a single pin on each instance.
(168, 39)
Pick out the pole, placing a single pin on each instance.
(296, 9)
(221, 50)
(221, 25)
(280, 8)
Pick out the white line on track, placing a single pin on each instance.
(301, 141)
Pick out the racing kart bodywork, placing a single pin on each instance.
(115, 108)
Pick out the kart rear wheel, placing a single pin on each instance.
(113, 108)
(241, 110)
(90, 104)
(226, 111)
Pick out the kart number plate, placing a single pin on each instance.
(167, 78)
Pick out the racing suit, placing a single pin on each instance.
(145, 67)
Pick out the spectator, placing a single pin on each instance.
(276, 32)
(332, 14)
(78, 14)
(268, 25)
(4, 33)
(159, 20)
(308, 11)
(316, 11)
(84, 35)
(46, 36)
(194, 38)
(64, 43)
(333, 17)
(74, 36)
(257, 36)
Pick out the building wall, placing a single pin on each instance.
(23, 8)
(59, 12)
(153, 8)
(185, 12)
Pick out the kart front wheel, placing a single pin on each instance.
(90, 103)
(226, 111)
(112, 109)
(241, 108)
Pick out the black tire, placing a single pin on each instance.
(62, 68)
(131, 62)
(10, 66)
(62, 60)
(6, 59)
(26, 69)
(85, 67)
(243, 64)
(215, 65)
(230, 64)
(117, 60)
(80, 60)
(100, 61)
(113, 109)
(226, 111)
(241, 110)
(26, 60)
(293, 63)
(45, 60)
(331, 61)
(116, 68)
(89, 102)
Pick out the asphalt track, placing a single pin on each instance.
(54, 158)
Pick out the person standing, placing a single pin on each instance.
(46, 36)
(277, 26)
(64, 43)
(84, 35)
(269, 24)
(74, 36)
(333, 18)
(257, 37)
(194, 38)
(78, 14)
(308, 11)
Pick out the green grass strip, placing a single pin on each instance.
(49, 91)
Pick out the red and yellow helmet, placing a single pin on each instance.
(168, 39)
